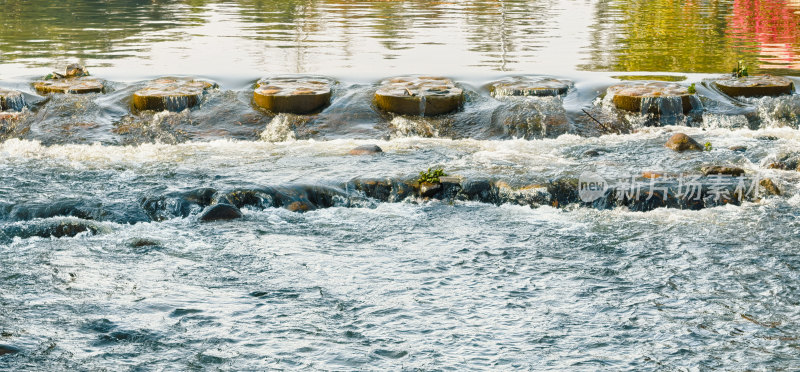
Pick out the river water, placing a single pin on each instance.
(105, 265)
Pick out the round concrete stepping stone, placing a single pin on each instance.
(11, 100)
(755, 86)
(654, 97)
(539, 86)
(422, 95)
(76, 85)
(293, 95)
(170, 94)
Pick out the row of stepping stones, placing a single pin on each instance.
(410, 95)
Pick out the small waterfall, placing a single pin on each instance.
(180, 103)
(422, 103)
(665, 106)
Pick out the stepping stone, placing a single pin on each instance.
(170, 94)
(294, 95)
(424, 95)
(755, 86)
(76, 85)
(654, 97)
(539, 86)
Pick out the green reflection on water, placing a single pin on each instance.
(512, 35)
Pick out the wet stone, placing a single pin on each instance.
(653, 97)
(8, 349)
(681, 142)
(426, 96)
(755, 86)
(170, 94)
(11, 100)
(366, 150)
(300, 207)
(76, 85)
(294, 95)
(220, 212)
(722, 170)
(769, 187)
(429, 189)
(738, 148)
(539, 86)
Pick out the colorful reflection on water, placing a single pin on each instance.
(221, 38)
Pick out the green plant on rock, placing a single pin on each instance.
(692, 89)
(431, 175)
(740, 70)
(708, 146)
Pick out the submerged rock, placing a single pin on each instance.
(529, 86)
(738, 148)
(143, 242)
(366, 150)
(300, 206)
(722, 170)
(8, 349)
(220, 212)
(51, 227)
(177, 204)
(294, 95)
(681, 142)
(424, 95)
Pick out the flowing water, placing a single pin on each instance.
(106, 265)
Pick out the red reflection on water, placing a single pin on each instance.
(773, 26)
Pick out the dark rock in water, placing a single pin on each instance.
(47, 228)
(479, 190)
(591, 153)
(681, 142)
(725, 171)
(260, 198)
(377, 189)
(563, 191)
(8, 349)
(767, 138)
(124, 213)
(738, 148)
(143, 242)
(177, 204)
(366, 150)
(769, 187)
(219, 212)
(428, 189)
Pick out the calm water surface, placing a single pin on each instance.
(410, 284)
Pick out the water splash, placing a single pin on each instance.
(282, 127)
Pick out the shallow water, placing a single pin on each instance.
(104, 263)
